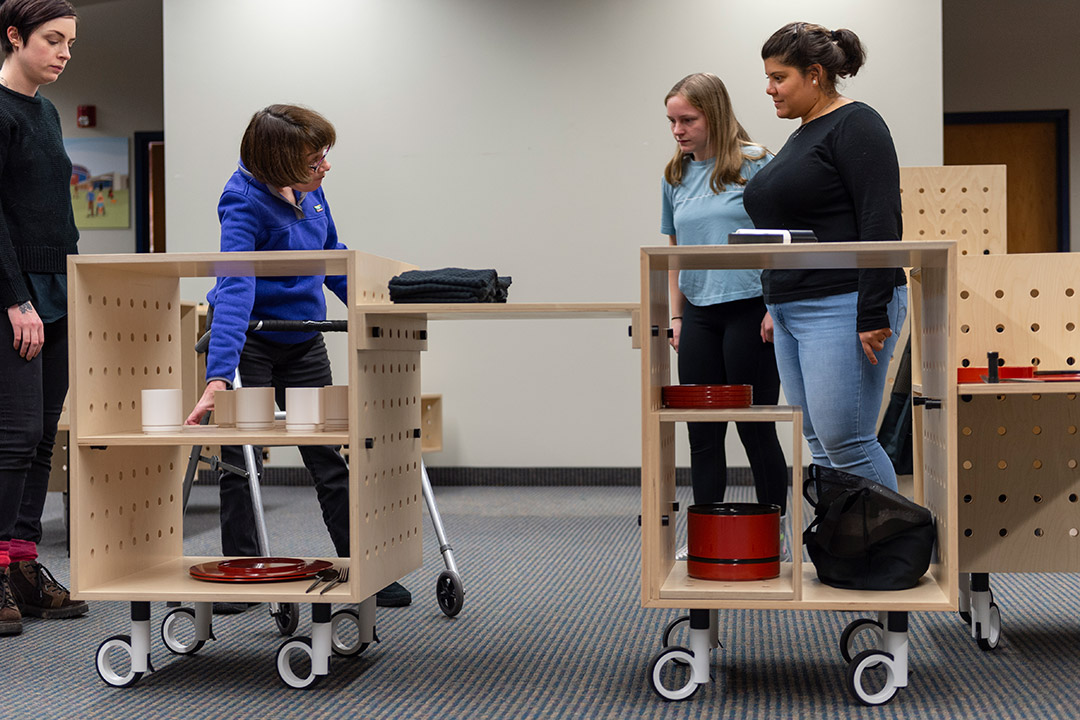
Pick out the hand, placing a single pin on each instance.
(206, 402)
(767, 328)
(676, 331)
(27, 328)
(874, 340)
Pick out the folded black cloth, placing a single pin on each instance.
(448, 285)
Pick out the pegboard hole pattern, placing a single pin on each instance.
(107, 521)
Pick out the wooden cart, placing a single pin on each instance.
(665, 583)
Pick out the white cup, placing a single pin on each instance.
(162, 410)
(255, 408)
(303, 409)
(225, 408)
(336, 407)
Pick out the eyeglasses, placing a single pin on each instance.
(316, 166)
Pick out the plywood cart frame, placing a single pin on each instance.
(664, 581)
(126, 496)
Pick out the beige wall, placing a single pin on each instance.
(525, 136)
(116, 65)
(1002, 55)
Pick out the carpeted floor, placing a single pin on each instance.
(552, 628)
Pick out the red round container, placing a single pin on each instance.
(733, 541)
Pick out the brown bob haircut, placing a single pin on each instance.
(26, 16)
(278, 141)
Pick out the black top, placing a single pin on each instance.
(838, 176)
(37, 226)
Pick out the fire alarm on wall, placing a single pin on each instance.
(86, 116)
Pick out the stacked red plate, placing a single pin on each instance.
(258, 569)
(707, 396)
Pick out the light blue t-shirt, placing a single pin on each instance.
(696, 215)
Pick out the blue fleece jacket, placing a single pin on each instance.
(254, 217)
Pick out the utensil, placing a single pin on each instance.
(343, 576)
(323, 576)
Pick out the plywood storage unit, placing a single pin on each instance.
(1018, 445)
(663, 579)
(126, 335)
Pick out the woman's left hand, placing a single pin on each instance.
(873, 340)
(767, 328)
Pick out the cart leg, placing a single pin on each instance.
(895, 643)
(714, 630)
(367, 621)
(702, 628)
(985, 615)
(140, 637)
(321, 635)
(964, 596)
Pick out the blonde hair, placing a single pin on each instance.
(731, 143)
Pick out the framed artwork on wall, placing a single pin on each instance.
(100, 182)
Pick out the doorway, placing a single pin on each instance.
(1034, 145)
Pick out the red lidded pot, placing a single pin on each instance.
(733, 541)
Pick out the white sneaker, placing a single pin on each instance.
(682, 553)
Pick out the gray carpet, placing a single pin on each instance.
(552, 628)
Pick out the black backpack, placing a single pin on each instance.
(865, 536)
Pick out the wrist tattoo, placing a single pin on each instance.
(26, 307)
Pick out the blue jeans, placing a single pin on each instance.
(823, 369)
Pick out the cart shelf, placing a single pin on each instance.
(213, 435)
(170, 581)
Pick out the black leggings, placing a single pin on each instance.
(721, 345)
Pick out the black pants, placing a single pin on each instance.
(264, 364)
(721, 345)
(31, 399)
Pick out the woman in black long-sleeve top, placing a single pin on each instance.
(838, 176)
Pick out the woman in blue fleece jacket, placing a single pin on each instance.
(274, 201)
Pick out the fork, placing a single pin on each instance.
(343, 576)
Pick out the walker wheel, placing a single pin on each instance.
(111, 673)
(345, 633)
(870, 660)
(450, 593)
(675, 682)
(172, 626)
(988, 635)
(287, 617)
(850, 635)
(289, 676)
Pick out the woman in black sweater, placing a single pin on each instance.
(838, 176)
(37, 233)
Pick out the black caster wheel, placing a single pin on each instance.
(113, 656)
(345, 633)
(450, 593)
(849, 637)
(306, 678)
(670, 673)
(287, 618)
(176, 629)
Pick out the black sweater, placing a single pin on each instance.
(37, 226)
(838, 176)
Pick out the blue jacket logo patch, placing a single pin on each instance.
(318, 208)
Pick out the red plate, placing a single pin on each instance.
(707, 396)
(213, 571)
(261, 566)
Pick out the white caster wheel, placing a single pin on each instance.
(450, 593)
(858, 681)
(345, 633)
(671, 675)
(990, 632)
(114, 662)
(177, 629)
(870, 629)
(299, 646)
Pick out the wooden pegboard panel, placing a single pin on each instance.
(386, 481)
(1025, 307)
(128, 339)
(965, 203)
(127, 511)
(1019, 483)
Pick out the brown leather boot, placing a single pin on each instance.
(38, 594)
(10, 617)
